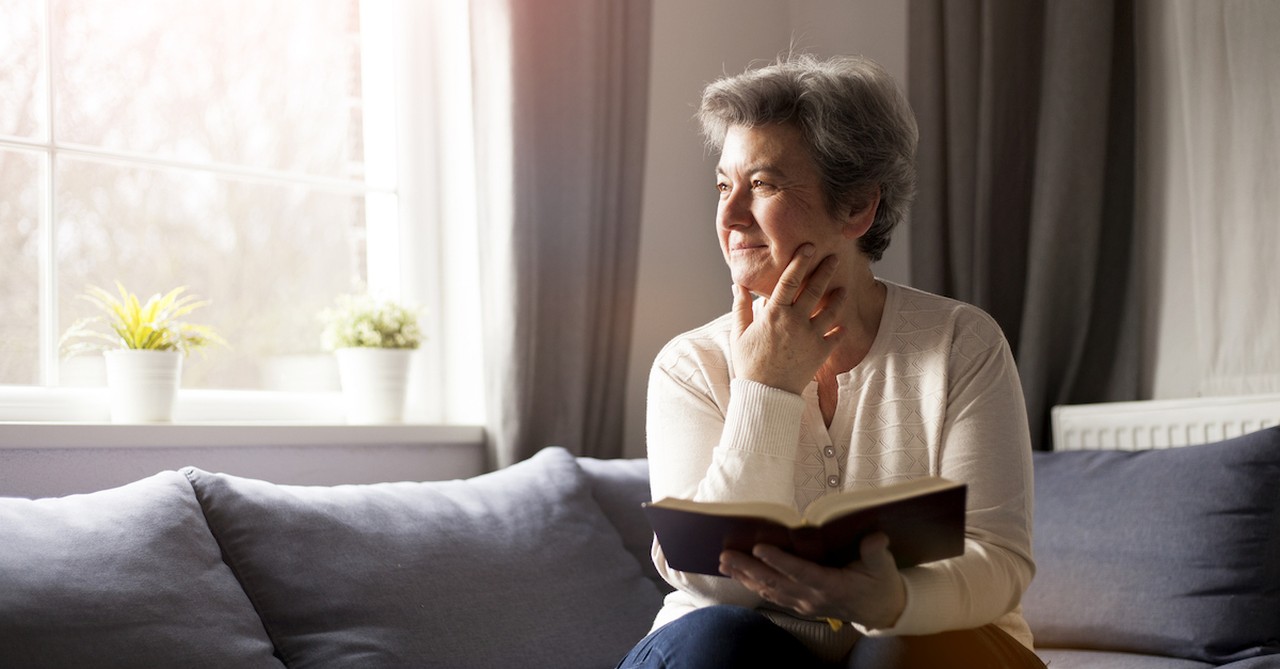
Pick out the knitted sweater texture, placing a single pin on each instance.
(937, 394)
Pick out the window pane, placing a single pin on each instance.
(268, 256)
(21, 100)
(270, 85)
(19, 278)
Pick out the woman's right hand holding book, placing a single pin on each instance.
(869, 592)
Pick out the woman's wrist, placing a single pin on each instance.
(888, 610)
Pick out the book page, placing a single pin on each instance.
(768, 510)
(825, 508)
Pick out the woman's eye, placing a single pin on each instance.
(757, 184)
(722, 187)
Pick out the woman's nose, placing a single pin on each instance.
(735, 209)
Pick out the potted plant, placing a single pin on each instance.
(143, 345)
(373, 340)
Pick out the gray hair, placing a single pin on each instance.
(858, 125)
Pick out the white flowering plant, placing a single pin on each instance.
(362, 321)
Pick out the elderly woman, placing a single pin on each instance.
(824, 377)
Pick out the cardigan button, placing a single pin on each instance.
(833, 480)
(829, 451)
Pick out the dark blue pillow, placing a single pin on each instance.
(1171, 552)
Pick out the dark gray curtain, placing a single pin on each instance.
(561, 94)
(1026, 191)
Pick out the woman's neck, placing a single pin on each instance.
(864, 307)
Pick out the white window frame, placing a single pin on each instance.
(407, 258)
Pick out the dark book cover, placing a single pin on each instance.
(921, 529)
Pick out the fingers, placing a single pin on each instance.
(875, 554)
(882, 571)
(742, 314)
(870, 591)
(774, 568)
(793, 276)
(794, 568)
(795, 331)
(801, 286)
(829, 314)
(760, 577)
(816, 286)
(750, 570)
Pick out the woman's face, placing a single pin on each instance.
(771, 202)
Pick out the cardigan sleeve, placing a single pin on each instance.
(985, 443)
(706, 446)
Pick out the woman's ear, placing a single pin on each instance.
(860, 220)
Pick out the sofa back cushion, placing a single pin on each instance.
(519, 567)
(127, 577)
(1171, 552)
(621, 486)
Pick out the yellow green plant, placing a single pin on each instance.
(153, 326)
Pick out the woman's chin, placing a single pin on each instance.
(755, 286)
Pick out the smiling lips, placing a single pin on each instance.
(745, 246)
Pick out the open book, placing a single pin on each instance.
(923, 518)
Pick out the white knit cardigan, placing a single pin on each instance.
(937, 394)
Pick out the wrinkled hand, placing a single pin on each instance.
(869, 592)
(796, 330)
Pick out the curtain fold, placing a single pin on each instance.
(560, 89)
(1220, 130)
(1026, 161)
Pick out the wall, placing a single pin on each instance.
(50, 460)
(682, 279)
(1208, 96)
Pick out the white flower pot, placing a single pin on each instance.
(143, 384)
(374, 383)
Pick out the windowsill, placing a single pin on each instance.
(37, 417)
(20, 435)
(60, 441)
(53, 460)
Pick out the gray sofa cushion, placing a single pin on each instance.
(1098, 659)
(514, 568)
(127, 577)
(1170, 552)
(621, 486)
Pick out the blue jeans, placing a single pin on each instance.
(720, 637)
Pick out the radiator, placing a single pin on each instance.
(1161, 423)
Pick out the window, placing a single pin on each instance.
(242, 148)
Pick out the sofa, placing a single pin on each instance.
(1147, 560)
(1158, 558)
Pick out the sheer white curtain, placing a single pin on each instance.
(439, 247)
(561, 91)
(1212, 191)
